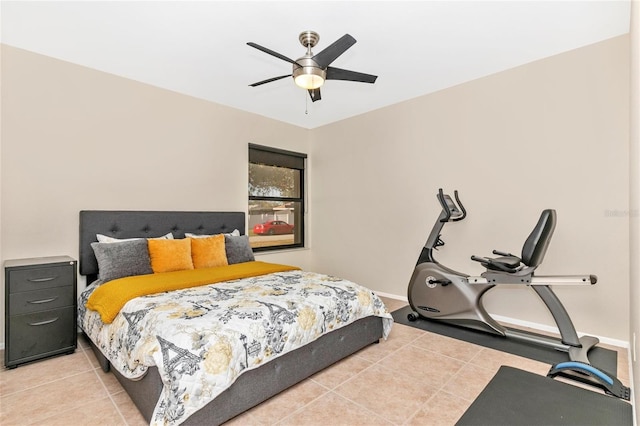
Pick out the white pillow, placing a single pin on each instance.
(107, 239)
(235, 233)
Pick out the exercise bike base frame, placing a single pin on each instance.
(460, 303)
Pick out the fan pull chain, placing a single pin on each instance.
(306, 103)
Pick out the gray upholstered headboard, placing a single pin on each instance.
(148, 224)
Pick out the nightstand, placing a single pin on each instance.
(40, 308)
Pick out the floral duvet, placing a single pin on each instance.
(202, 338)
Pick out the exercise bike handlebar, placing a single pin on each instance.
(449, 209)
(464, 211)
(502, 253)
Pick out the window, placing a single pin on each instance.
(276, 198)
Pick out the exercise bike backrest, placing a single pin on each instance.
(535, 247)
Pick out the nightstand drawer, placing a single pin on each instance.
(39, 278)
(25, 302)
(40, 334)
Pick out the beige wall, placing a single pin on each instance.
(550, 134)
(74, 138)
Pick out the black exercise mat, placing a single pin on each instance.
(604, 359)
(517, 397)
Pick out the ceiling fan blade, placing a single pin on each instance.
(315, 94)
(328, 55)
(269, 80)
(340, 74)
(272, 53)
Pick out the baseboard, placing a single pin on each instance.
(392, 296)
(549, 329)
(528, 324)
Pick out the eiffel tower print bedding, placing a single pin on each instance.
(202, 338)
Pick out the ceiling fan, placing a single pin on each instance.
(310, 71)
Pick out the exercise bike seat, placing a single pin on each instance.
(499, 263)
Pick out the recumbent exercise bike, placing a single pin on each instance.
(440, 293)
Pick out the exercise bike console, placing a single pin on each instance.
(439, 293)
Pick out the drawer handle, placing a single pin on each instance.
(42, 280)
(37, 302)
(44, 322)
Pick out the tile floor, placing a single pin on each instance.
(414, 377)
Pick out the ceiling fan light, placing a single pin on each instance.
(309, 81)
(309, 78)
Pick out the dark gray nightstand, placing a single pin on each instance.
(40, 308)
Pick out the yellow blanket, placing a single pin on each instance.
(109, 298)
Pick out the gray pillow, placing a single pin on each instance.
(124, 259)
(238, 249)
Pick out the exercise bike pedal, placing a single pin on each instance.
(590, 375)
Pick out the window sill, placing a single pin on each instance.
(278, 251)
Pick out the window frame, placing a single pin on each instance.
(269, 156)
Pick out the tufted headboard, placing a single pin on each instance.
(148, 224)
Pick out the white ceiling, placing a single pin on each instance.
(199, 48)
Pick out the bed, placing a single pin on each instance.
(267, 367)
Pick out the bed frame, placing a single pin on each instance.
(253, 386)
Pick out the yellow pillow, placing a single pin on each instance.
(170, 255)
(208, 252)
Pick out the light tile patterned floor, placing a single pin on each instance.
(414, 377)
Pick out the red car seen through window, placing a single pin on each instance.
(273, 227)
